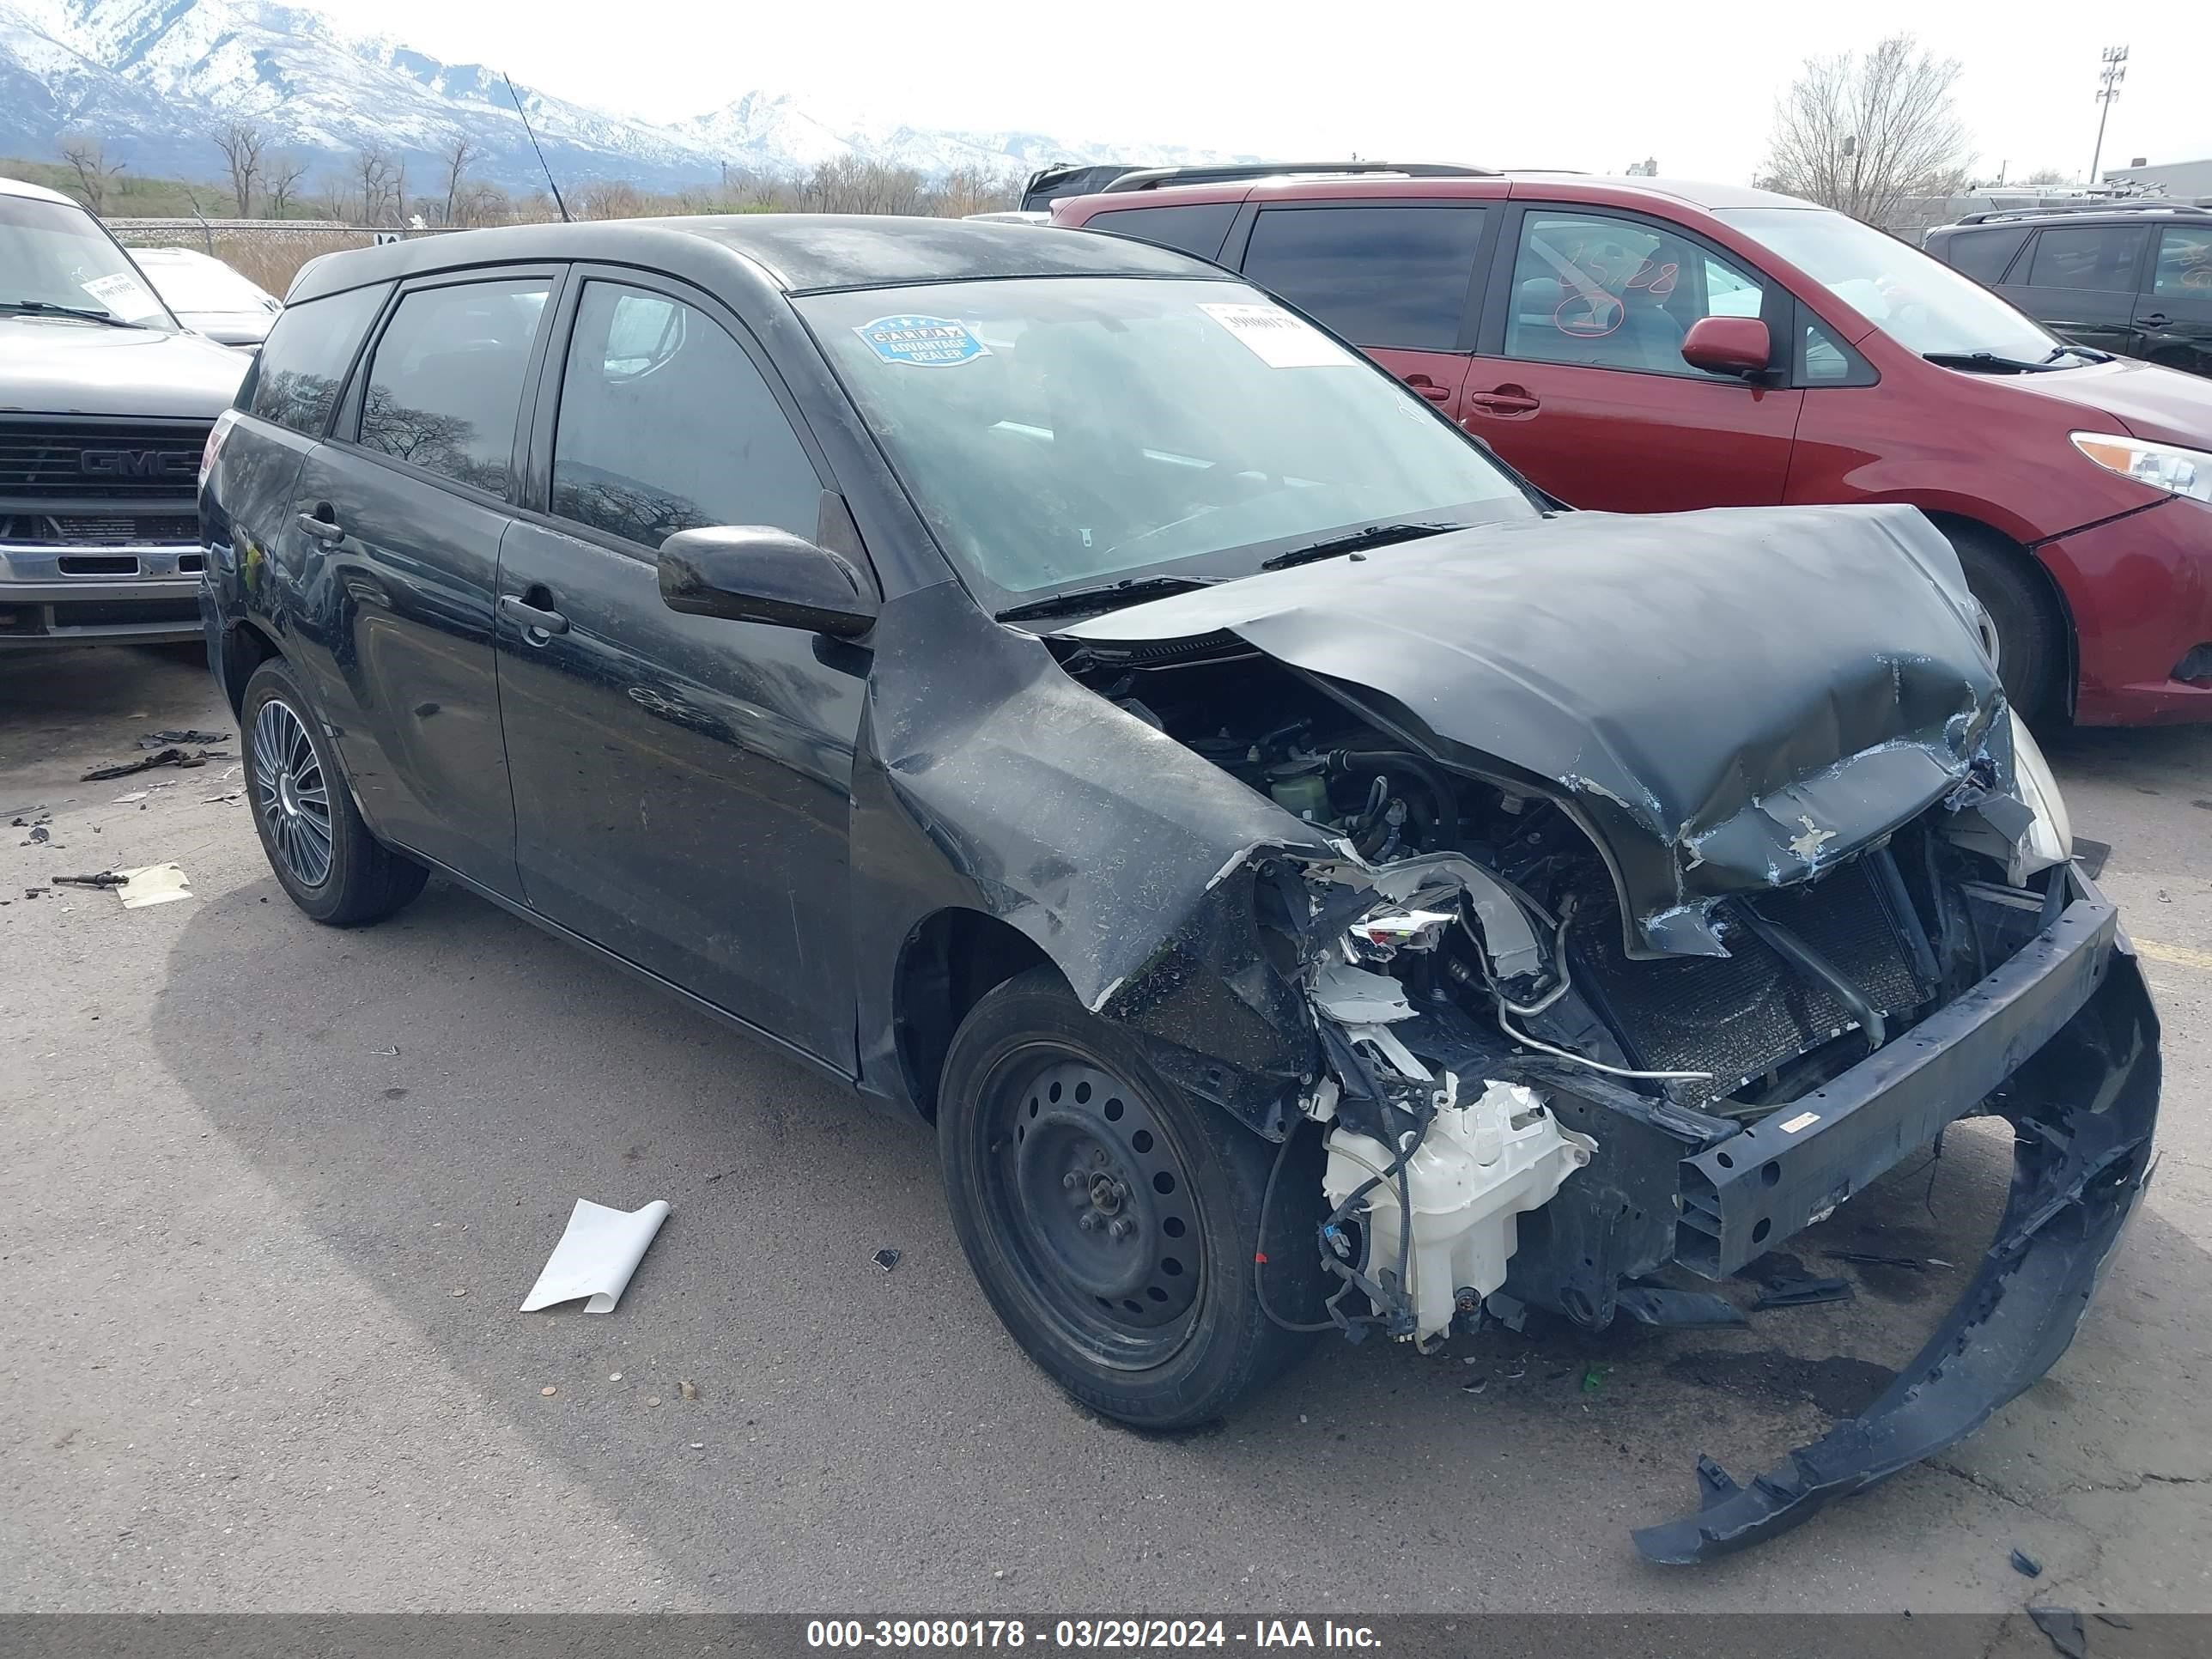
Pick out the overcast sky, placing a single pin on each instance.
(1594, 85)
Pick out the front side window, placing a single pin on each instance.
(1916, 299)
(56, 258)
(1984, 254)
(2185, 265)
(2086, 256)
(1822, 359)
(1058, 432)
(1611, 293)
(294, 380)
(1378, 275)
(445, 383)
(665, 424)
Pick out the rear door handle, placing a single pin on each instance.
(532, 619)
(2156, 320)
(1504, 403)
(1429, 389)
(323, 530)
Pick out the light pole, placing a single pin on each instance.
(2114, 72)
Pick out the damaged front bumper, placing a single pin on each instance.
(2062, 1041)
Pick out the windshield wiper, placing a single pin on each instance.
(47, 309)
(1374, 535)
(2087, 353)
(1107, 596)
(1986, 362)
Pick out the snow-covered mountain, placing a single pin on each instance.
(152, 78)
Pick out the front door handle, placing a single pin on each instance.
(1429, 389)
(1504, 403)
(2156, 320)
(323, 530)
(537, 623)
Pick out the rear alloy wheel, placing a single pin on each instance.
(1111, 1219)
(322, 854)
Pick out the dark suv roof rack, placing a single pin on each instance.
(2116, 204)
(1158, 178)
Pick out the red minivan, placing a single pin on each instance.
(1638, 345)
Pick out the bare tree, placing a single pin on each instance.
(334, 197)
(454, 159)
(1866, 134)
(970, 190)
(241, 143)
(2047, 176)
(610, 198)
(373, 171)
(83, 156)
(280, 189)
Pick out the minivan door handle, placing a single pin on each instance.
(323, 530)
(2156, 320)
(1504, 403)
(537, 623)
(1429, 389)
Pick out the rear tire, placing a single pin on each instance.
(1111, 1219)
(322, 854)
(2031, 632)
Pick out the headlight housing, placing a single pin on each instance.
(2169, 467)
(2050, 839)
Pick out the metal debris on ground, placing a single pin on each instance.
(38, 833)
(1801, 1293)
(104, 879)
(885, 1259)
(2063, 1627)
(136, 794)
(145, 764)
(1475, 1387)
(2026, 1565)
(597, 1255)
(153, 883)
(2117, 1621)
(1871, 1259)
(163, 739)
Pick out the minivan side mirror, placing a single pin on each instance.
(756, 572)
(1727, 345)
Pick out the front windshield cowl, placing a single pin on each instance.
(1917, 301)
(1072, 434)
(56, 259)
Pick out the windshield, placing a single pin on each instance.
(195, 282)
(53, 254)
(1918, 301)
(1064, 432)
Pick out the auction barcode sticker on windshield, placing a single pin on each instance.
(124, 295)
(926, 341)
(1278, 339)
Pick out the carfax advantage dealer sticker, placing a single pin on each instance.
(926, 342)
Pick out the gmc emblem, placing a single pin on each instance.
(132, 463)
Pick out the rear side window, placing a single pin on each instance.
(1378, 275)
(1983, 254)
(2086, 256)
(1197, 229)
(2185, 265)
(665, 424)
(445, 382)
(305, 359)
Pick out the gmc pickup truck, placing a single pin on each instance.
(106, 403)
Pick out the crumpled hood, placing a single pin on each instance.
(1727, 700)
(52, 366)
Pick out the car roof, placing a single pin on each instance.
(2005, 218)
(1555, 185)
(798, 252)
(36, 192)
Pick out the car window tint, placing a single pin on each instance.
(665, 424)
(295, 381)
(1983, 254)
(1198, 228)
(446, 379)
(2086, 256)
(2185, 265)
(1378, 275)
(1617, 293)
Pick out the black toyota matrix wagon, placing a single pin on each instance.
(1311, 880)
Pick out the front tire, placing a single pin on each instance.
(322, 854)
(2031, 632)
(1112, 1220)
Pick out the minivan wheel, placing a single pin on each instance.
(1111, 1219)
(2031, 633)
(322, 854)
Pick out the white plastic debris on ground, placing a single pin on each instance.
(155, 884)
(596, 1256)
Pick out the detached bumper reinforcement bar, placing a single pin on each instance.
(2067, 1028)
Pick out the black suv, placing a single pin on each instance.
(1040, 681)
(2130, 277)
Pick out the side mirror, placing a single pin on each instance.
(1727, 345)
(753, 572)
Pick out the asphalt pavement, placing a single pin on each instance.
(273, 1192)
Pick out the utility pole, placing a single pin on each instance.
(2114, 72)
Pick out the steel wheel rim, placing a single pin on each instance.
(1094, 1207)
(291, 795)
